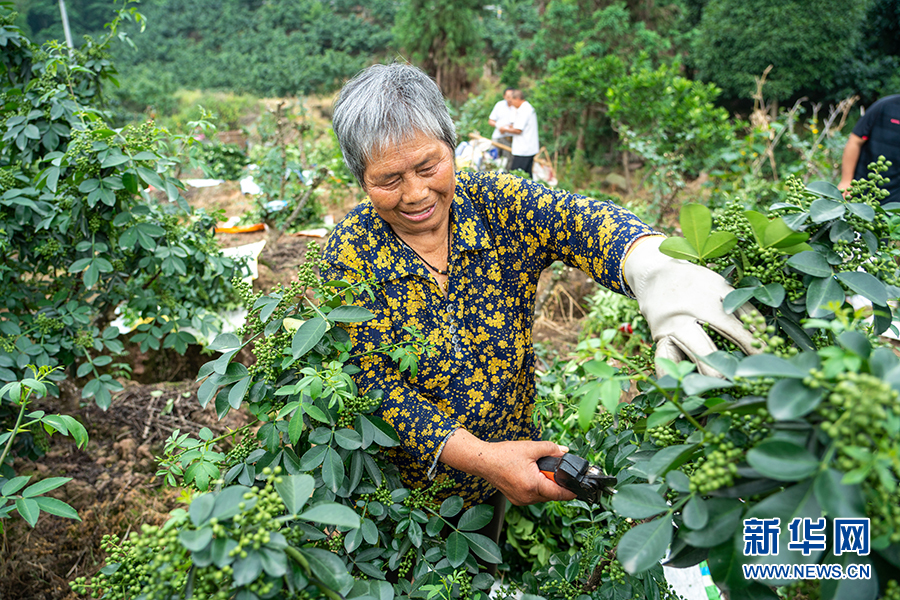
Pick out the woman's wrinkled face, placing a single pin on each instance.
(411, 185)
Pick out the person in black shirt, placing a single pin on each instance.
(876, 134)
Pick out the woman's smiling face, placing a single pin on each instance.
(411, 185)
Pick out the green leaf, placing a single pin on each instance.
(644, 546)
(667, 459)
(639, 501)
(737, 298)
(476, 517)
(483, 547)
(44, 486)
(348, 439)
(610, 393)
(14, 485)
(678, 481)
(295, 428)
(76, 430)
(587, 408)
(863, 211)
(451, 506)
(836, 498)
(57, 507)
(696, 223)
(221, 551)
(811, 263)
(695, 384)
(678, 248)
(789, 399)
(457, 549)
(268, 304)
(327, 568)
(695, 513)
(332, 513)
(274, 562)
(225, 342)
(724, 519)
(825, 188)
(822, 210)
(758, 223)
(228, 502)
(350, 314)
(865, 285)
(767, 365)
(196, 540)
(820, 293)
(332, 470)
(201, 509)
(308, 335)
(718, 244)
(237, 393)
(783, 461)
(28, 509)
(771, 294)
(247, 570)
(779, 235)
(855, 342)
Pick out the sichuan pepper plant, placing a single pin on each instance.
(82, 237)
(806, 429)
(336, 518)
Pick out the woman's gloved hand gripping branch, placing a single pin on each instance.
(677, 297)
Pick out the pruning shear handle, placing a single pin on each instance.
(577, 475)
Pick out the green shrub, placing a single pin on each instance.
(82, 236)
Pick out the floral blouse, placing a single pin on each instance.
(505, 231)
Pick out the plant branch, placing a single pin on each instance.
(15, 429)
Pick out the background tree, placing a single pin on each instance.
(808, 43)
(444, 38)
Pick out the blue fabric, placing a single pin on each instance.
(505, 231)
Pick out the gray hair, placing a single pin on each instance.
(386, 105)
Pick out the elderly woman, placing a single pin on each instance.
(458, 257)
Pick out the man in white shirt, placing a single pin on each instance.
(524, 131)
(503, 114)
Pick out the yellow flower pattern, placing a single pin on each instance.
(505, 231)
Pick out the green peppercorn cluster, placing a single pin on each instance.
(95, 223)
(84, 339)
(766, 264)
(382, 495)
(664, 436)
(803, 589)
(154, 565)
(628, 415)
(8, 343)
(8, 180)
(718, 468)
(354, 406)
(559, 588)
(428, 497)
(240, 451)
(892, 590)
(48, 325)
(49, 248)
(857, 415)
(754, 426)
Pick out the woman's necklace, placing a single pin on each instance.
(428, 264)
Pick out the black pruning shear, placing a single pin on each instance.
(577, 475)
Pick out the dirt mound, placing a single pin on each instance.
(113, 487)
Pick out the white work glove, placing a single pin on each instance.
(675, 296)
